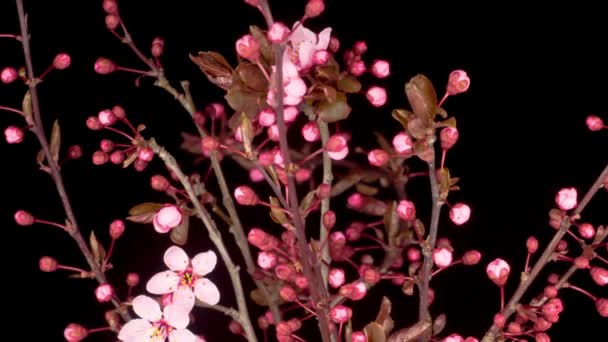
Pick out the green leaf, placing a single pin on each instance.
(307, 201)
(55, 140)
(335, 111)
(215, 67)
(99, 253)
(423, 98)
(276, 214)
(349, 84)
(402, 115)
(391, 223)
(242, 100)
(252, 76)
(144, 208)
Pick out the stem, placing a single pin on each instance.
(13, 36)
(586, 293)
(328, 178)
(49, 223)
(73, 229)
(71, 268)
(214, 236)
(492, 334)
(119, 132)
(502, 297)
(9, 109)
(427, 250)
(109, 254)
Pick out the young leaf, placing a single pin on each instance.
(349, 84)
(99, 253)
(215, 67)
(144, 208)
(374, 332)
(27, 107)
(276, 214)
(179, 234)
(334, 111)
(384, 316)
(55, 140)
(423, 99)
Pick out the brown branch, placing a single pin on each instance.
(328, 178)
(411, 333)
(38, 130)
(492, 334)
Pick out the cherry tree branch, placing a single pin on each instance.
(38, 129)
(328, 178)
(492, 334)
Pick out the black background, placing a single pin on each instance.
(536, 74)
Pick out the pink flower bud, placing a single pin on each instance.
(117, 228)
(106, 117)
(340, 314)
(132, 279)
(553, 307)
(290, 113)
(336, 277)
(581, 262)
(158, 47)
(329, 219)
(550, 291)
(357, 68)
(167, 218)
(413, 254)
(301, 282)
(381, 68)
(140, 165)
(263, 322)
(314, 8)
(454, 338)
(371, 276)
(500, 320)
(62, 61)
(106, 145)
(13, 135)
(159, 183)
(75, 332)
(278, 32)
(93, 123)
(514, 328)
(74, 152)
(542, 337)
(566, 198)
(215, 110)
(378, 157)
(334, 45)
(104, 293)
(359, 48)
(245, 195)
(358, 336)
(311, 132)
(442, 257)
(337, 147)
(458, 82)
(594, 123)
(145, 154)
(601, 304)
(552, 278)
(266, 117)
(104, 66)
(448, 136)
(562, 245)
(376, 96)
(273, 133)
(356, 201)
(471, 257)
(403, 143)
(256, 175)
(117, 157)
(47, 264)
(320, 57)
(532, 244)
(284, 271)
(599, 275)
(267, 260)
(287, 293)
(112, 21)
(586, 230)
(8, 75)
(248, 47)
(100, 158)
(323, 191)
(460, 213)
(498, 271)
(110, 6)
(23, 218)
(406, 210)
(235, 328)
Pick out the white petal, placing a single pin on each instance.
(324, 37)
(147, 308)
(176, 259)
(163, 282)
(206, 291)
(181, 335)
(134, 329)
(203, 263)
(184, 297)
(301, 34)
(176, 316)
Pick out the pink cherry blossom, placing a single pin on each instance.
(13, 135)
(104, 293)
(185, 278)
(321, 57)
(303, 43)
(156, 325)
(311, 131)
(376, 96)
(442, 257)
(278, 32)
(498, 271)
(266, 117)
(403, 143)
(336, 277)
(566, 198)
(458, 82)
(599, 275)
(460, 213)
(294, 88)
(167, 218)
(406, 210)
(594, 123)
(380, 68)
(337, 147)
(267, 260)
(248, 47)
(340, 314)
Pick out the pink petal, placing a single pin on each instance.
(134, 329)
(203, 263)
(324, 37)
(147, 308)
(159, 227)
(176, 259)
(181, 335)
(301, 34)
(184, 297)
(163, 282)
(206, 291)
(176, 316)
(289, 68)
(306, 50)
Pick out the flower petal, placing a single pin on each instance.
(182, 335)
(163, 282)
(184, 297)
(176, 316)
(324, 37)
(176, 259)
(147, 308)
(305, 52)
(203, 263)
(206, 291)
(301, 34)
(134, 329)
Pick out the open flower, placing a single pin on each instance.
(155, 325)
(185, 278)
(294, 88)
(304, 43)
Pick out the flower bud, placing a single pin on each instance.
(158, 47)
(267, 260)
(442, 257)
(320, 57)
(47, 264)
(449, 137)
(75, 332)
(581, 262)
(329, 219)
(117, 157)
(334, 44)
(112, 21)
(378, 157)
(586, 230)
(106, 117)
(336, 277)
(340, 314)
(358, 336)
(110, 6)
(380, 69)
(460, 213)
(458, 82)
(248, 47)
(104, 66)
(403, 143)
(287, 293)
(357, 68)
(104, 293)
(13, 135)
(277, 33)
(406, 210)
(601, 304)
(566, 198)
(550, 291)
(74, 152)
(314, 8)
(132, 279)
(500, 320)
(159, 183)
(117, 228)
(471, 257)
(100, 158)
(311, 131)
(498, 271)
(532, 244)
(542, 337)
(8, 75)
(93, 123)
(599, 275)
(337, 147)
(376, 96)
(23, 218)
(244, 195)
(62, 61)
(594, 123)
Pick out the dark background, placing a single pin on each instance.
(536, 74)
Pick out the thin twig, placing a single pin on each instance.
(38, 130)
(328, 178)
